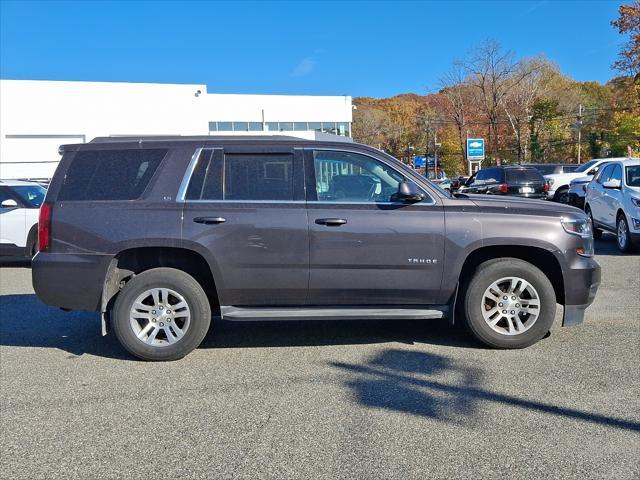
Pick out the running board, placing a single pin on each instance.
(331, 313)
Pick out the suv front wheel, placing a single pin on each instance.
(509, 303)
(161, 314)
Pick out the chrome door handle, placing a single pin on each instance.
(331, 222)
(210, 220)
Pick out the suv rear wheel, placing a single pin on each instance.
(161, 314)
(509, 303)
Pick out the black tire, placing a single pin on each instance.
(623, 238)
(32, 243)
(175, 280)
(562, 195)
(597, 233)
(493, 270)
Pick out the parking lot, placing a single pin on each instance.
(323, 399)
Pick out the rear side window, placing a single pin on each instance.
(524, 175)
(110, 174)
(489, 175)
(254, 176)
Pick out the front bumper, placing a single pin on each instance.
(69, 281)
(580, 286)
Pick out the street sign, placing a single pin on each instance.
(420, 161)
(475, 148)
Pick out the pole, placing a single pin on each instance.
(466, 155)
(435, 154)
(579, 130)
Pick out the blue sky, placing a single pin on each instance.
(332, 48)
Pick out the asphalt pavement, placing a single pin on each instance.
(320, 400)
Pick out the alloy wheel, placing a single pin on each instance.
(510, 305)
(160, 317)
(622, 233)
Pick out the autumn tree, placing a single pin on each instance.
(493, 73)
(628, 23)
(456, 92)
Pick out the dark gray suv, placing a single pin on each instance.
(162, 234)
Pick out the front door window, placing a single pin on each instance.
(351, 177)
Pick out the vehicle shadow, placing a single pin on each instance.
(27, 322)
(607, 246)
(227, 334)
(15, 262)
(430, 385)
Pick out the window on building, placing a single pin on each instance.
(255, 126)
(213, 126)
(286, 126)
(110, 174)
(225, 126)
(329, 127)
(272, 126)
(300, 126)
(343, 129)
(315, 126)
(240, 126)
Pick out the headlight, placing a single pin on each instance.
(635, 201)
(582, 228)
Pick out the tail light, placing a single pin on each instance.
(546, 187)
(44, 227)
(503, 188)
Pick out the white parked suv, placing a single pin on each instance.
(559, 183)
(613, 202)
(19, 204)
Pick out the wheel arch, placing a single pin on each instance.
(540, 257)
(132, 261)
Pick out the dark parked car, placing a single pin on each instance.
(457, 182)
(515, 181)
(161, 235)
(553, 168)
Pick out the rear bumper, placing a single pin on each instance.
(580, 285)
(69, 281)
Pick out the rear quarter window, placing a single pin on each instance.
(110, 174)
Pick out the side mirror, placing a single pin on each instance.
(9, 203)
(593, 171)
(409, 192)
(615, 184)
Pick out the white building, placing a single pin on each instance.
(38, 116)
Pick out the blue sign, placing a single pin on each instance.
(475, 148)
(420, 161)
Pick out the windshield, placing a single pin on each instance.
(586, 166)
(633, 175)
(31, 194)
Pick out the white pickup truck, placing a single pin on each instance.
(559, 183)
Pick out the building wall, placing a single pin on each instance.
(38, 116)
